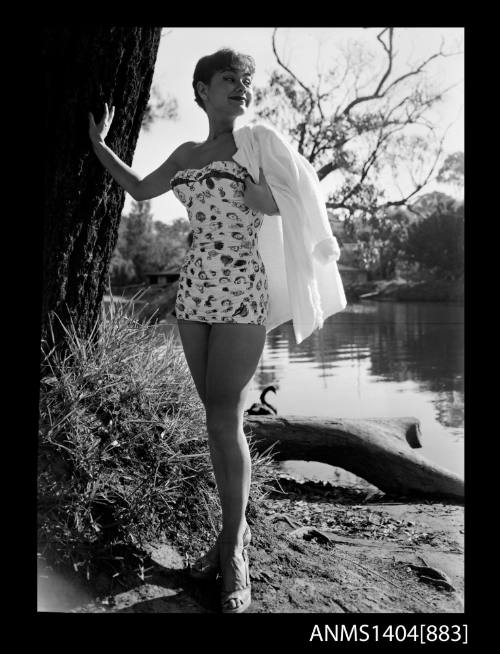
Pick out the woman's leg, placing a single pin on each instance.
(234, 351)
(194, 338)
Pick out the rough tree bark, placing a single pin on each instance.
(84, 67)
(375, 449)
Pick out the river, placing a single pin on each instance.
(375, 359)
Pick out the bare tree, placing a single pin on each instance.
(360, 121)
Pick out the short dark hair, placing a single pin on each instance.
(218, 61)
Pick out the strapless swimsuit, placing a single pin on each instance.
(223, 278)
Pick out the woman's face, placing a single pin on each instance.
(229, 92)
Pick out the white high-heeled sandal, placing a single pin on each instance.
(242, 595)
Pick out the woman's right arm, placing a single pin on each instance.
(154, 184)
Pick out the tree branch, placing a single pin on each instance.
(351, 207)
(318, 133)
(389, 51)
(378, 93)
(420, 68)
(420, 186)
(327, 169)
(300, 146)
(367, 165)
(306, 89)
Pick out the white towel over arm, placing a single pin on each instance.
(297, 247)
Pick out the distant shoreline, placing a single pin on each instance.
(407, 291)
(160, 300)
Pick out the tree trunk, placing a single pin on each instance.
(375, 449)
(84, 67)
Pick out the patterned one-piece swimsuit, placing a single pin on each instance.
(223, 278)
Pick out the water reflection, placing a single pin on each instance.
(376, 359)
(418, 342)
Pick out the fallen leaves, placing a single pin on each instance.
(303, 508)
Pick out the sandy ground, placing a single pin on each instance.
(317, 549)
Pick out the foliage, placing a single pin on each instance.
(123, 456)
(145, 245)
(159, 108)
(381, 242)
(121, 267)
(385, 249)
(453, 169)
(428, 203)
(437, 243)
(170, 241)
(139, 237)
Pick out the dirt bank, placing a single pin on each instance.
(316, 549)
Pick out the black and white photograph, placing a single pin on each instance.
(251, 388)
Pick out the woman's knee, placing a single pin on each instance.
(223, 423)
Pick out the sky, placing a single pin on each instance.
(303, 49)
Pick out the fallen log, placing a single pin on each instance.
(375, 449)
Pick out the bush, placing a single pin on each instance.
(436, 244)
(123, 454)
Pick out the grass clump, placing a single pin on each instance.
(123, 452)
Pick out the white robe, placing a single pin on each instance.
(297, 247)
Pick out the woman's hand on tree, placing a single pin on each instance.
(259, 197)
(99, 132)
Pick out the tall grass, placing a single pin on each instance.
(123, 452)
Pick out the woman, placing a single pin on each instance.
(222, 300)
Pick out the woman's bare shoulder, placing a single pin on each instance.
(182, 154)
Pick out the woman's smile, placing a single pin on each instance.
(239, 99)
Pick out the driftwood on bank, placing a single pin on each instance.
(376, 449)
